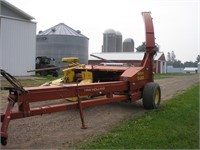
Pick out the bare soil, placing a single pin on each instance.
(62, 130)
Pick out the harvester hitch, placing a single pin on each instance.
(13, 81)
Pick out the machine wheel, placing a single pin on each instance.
(55, 74)
(44, 73)
(3, 141)
(151, 96)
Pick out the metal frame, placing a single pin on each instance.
(129, 87)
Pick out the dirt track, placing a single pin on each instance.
(59, 130)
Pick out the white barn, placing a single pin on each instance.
(17, 40)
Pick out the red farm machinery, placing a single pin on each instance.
(87, 85)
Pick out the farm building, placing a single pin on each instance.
(62, 41)
(112, 42)
(17, 40)
(122, 53)
(171, 69)
(130, 58)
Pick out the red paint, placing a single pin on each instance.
(113, 84)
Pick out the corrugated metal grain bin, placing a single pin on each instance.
(118, 41)
(128, 45)
(109, 41)
(62, 41)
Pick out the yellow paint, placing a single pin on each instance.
(87, 78)
(157, 94)
(57, 82)
(87, 75)
(140, 77)
(69, 74)
(140, 73)
(70, 60)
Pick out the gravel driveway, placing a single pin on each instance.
(62, 129)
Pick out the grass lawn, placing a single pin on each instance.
(175, 125)
(170, 75)
(35, 81)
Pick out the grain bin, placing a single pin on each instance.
(118, 41)
(109, 41)
(128, 45)
(62, 41)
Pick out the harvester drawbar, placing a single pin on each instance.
(86, 85)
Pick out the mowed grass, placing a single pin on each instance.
(175, 125)
(31, 81)
(171, 75)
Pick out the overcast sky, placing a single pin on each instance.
(176, 22)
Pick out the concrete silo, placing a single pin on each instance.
(128, 45)
(109, 41)
(62, 41)
(118, 41)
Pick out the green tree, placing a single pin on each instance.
(169, 57)
(173, 56)
(142, 47)
(198, 59)
(190, 64)
(178, 64)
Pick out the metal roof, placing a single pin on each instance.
(123, 56)
(190, 68)
(61, 29)
(16, 10)
(109, 31)
(129, 40)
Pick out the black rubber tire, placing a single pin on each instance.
(44, 73)
(55, 74)
(3, 141)
(151, 96)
